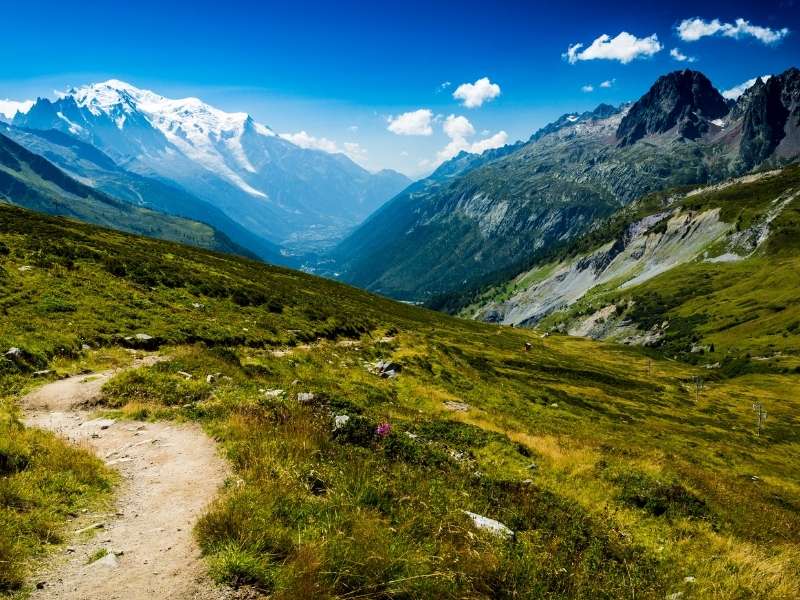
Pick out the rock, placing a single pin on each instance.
(527, 481)
(24, 268)
(554, 405)
(185, 375)
(40, 585)
(305, 397)
(340, 421)
(316, 485)
(143, 341)
(109, 561)
(385, 368)
(197, 305)
(456, 406)
(85, 347)
(689, 579)
(14, 353)
(42, 373)
(533, 466)
(274, 393)
(490, 525)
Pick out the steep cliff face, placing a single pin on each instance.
(770, 114)
(684, 100)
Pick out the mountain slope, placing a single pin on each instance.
(267, 184)
(94, 168)
(29, 180)
(488, 222)
(613, 473)
(716, 267)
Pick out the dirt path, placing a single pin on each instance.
(169, 475)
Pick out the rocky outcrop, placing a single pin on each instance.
(685, 100)
(770, 112)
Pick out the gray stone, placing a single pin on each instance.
(456, 406)
(490, 525)
(340, 421)
(305, 397)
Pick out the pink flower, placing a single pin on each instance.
(383, 429)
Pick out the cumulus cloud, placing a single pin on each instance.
(691, 30)
(624, 48)
(416, 122)
(475, 94)
(680, 56)
(459, 129)
(498, 140)
(737, 90)
(607, 83)
(9, 108)
(309, 142)
(587, 88)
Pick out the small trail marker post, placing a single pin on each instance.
(761, 416)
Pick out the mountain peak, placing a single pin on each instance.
(685, 99)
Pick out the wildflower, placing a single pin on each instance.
(383, 429)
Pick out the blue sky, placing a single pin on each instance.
(340, 70)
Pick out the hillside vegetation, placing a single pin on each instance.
(709, 276)
(616, 475)
(31, 181)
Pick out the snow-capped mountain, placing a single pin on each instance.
(278, 190)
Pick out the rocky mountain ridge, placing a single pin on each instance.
(487, 224)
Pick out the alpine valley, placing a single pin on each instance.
(483, 220)
(216, 382)
(186, 157)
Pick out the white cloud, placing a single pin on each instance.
(309, 142)
(498, 140)
(459, 129)
(9, 108)
(691, 30)
(353, 128)
(355, 152)
(624, 48)
(443, 86)
(680, 56)
(416, 122)
(737, 90)
(608, 83)
(475, 94)
(587, 88)
(404, 153)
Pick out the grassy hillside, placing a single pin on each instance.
(617, 479)
(28, 180)
(743, 314)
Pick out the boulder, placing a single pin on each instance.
(305, 397)
(14, 353)
(340, 421)
(385, 368)
(456, 406)
(486, 524)
(273, 393)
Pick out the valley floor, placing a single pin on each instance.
(362, 435)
